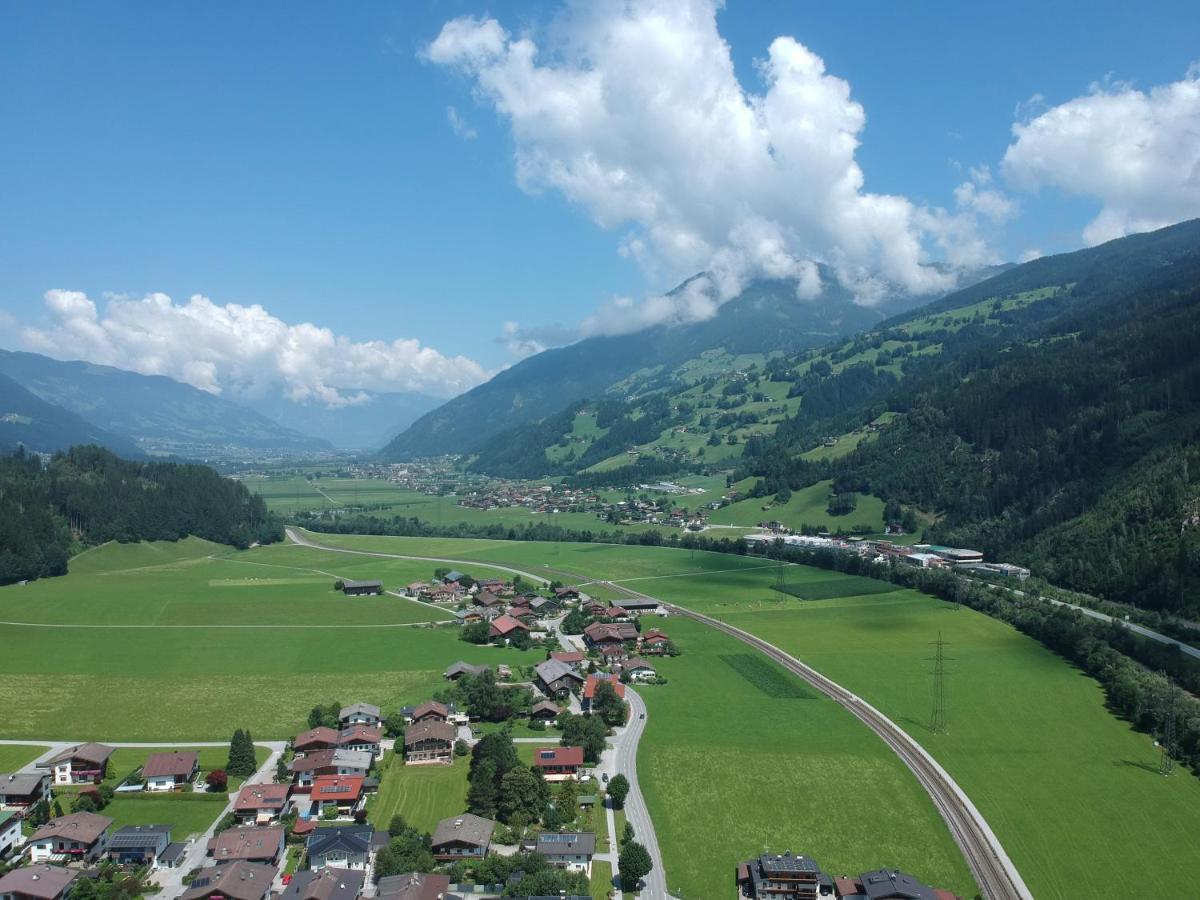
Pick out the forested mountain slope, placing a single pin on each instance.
(88, 496)
(1055, 420)
(29, 421)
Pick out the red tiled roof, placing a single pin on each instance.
(507, 624)
(558, 756)
(589, 686)
(572, 656)
(337, 787)
(359, 734)
(261, 796)
(428, 707)
(318, 735)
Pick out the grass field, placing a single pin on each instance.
(125, 759)
(424, 795)
(733, 732)
(186, 813)
(17, 756)
(806, 507)
(602, 879)
(146, 621)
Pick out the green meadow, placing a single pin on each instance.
(424, 795)
(187, 814)
(17, 756)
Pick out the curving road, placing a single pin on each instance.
(994, 872)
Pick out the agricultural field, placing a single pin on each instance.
(424, 795)
(807, 506)
(787, 768)
(217, 640)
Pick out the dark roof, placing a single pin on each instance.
(463, 668)
(560, 842)
(92, 753)
(553, 669)
(172, 853)
(239, 880)
(884, 884)
(139, 836)
(467, 828)
(327, 884)
(174, 763)
(351, 838)
(21, 783)
(787, 864)
(84, 827)
(371, 583)
(44, 882)
(429, 729)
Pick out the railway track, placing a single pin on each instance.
(994, 872)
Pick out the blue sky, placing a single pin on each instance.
(300, 156)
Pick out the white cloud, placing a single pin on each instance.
(1030, 255)
(240, 350)
(632, 110)
(519, 343)
(976, 196)
(1136, 152)
(459, 125)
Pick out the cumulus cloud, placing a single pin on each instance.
(240, 350)
(519, 343)
(459, 125)
(632, 109)
(1136, 152)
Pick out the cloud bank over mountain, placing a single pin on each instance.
(633, 110)
(240, 351)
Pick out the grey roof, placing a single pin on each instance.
(883, 884)
(239, 880)
(139, 836)
(372, 583)
(415, 886)
(553, 669)
(566, 842)
(468, 828)
(172, 853)
(788, 863)
(44, 882)
(351, 838)
(453, 575)
(357, 709)
(21, 782)
(463, 668)
(327, 884)
(92, 753)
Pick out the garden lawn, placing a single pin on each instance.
(424, 795)
(125, 760)
(602, 879)
(1065, 785)
(14, 757)
(731, 765)
(187, 814)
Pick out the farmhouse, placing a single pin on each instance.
(79, 836)
(638, 669)
(361, 588)
(80, 764)
(261, 804)
(413, 886)
(37, 883)
(430, 711)
(557, 679)
(319, 738)
(21, 790)
(544, 711)
(487, 600)
(429, 742)
(568, 849)
(654, 643)
(462, 837)
(10, 831)
(593, 682)
(506, 626)
(639, 606)
(327, 884)
(559, 763)
(359, 714)
(256, 845)
(139, 845)
(170, 771)
(344, 847)
(609, 634)
(328, 762)
(340, 793)
(459, 669)
(573, 658)
(236, 881)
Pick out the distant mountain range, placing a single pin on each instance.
(764, 318)
(363, 426)
(29, 421)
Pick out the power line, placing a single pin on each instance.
(937, 717)
(1167, 740)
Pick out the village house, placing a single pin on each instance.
(594, 608)
(558, 763)
(81, 836)
(638, 669)
(610, 638)
(21, 790)
(248, 844)
(364, 738)
(487, 600)
(654, 643)
(359, 714)
(139, 845)
(593, 682)
(343, 847)
(328, 762)
(506, 626)
(261, 804)
(170, 771)
(468, 616)
(557, 679)
(430, 711)
(10, 831)
(319, 738)
(81, 764)
(429, 742)
(576, 659)
(326, 884)
(361, 588)
(543, 606)
(618, 614)
(413, 886)
(236, 881)
(568, 849)
(566, 593)
(416, 588)
(544, 711)
(37, 883)
(462, 837)
(459, 669)
(340, 793)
